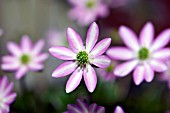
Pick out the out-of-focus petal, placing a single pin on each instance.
(125, 68)
(149, 73)
(8, 89)
(9, 99)
(90, 78)
(162, 54)
(118, 110)
(3, 84)
(138, 75)
(14, 49)
(42, 57)
(101, 61)
(9, 59)
(92, 36)
(129, 38)
(120, 53)
(26, 44)
(36, 66)
(74, 40)
(10, 66)
(38, 47)
(158, 65)
(21, 72)
(64, 69)
(74, 80)
(62, 53)
(101, 47)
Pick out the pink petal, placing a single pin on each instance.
(120, 53)
(161, 40)
(38, 47)
(3, 84)
(26, 44)
(138, 75)
(21, 72)
(129, 38)
(101, 61)
(5, 108)
(10, 66)
(147, 35)
(125, 68)
(62, 53)
(8, 59)
(14, 49)
(162, 54)
(35, 66)
(74, 80)
(8, 89)
(41, 58)
(149, 73)
(92, 36)
(9, 99)
(74, 40)
(64, 69)
(118, 110)
(101, 47)
(90, 78)
(158, 65)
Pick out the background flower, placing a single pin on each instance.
(118, 109)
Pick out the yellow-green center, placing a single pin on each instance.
(143, 53)
(25, 59)
(82, 58)
(90, 4)
(110, 68)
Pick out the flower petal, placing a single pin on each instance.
(161, 40)
(21, 72)
(38, 47)
(8, 89)
(9, 59)
(158, 65)
(90, 78)
(36, 66)
(101, 47)
(146, 35)
(162, 54)
(14, 48)
(138, 75)
(41, 58)
(9, 99)
(74, 80)
(64, 69)
(3, 83)
(10, 66)
(62, 53)
(118, 110)
(129, 38)
(125, 68)
(26, 44)
(101, 61)
(74, 40)
(92, 36)
(120, 53)
(149, 73)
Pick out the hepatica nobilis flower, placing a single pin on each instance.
(80, 58)
(82, 107)
(24, 58)
(144, 56)
(7, 96)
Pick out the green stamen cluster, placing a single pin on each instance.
(143, 53)
(25, 59)
(110, 68)
(90, 4)
(82, 58)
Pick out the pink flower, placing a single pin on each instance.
(81, 57)
(24, 58)
(7, 96)
(144, 56)
(87, 11)
(118, 110)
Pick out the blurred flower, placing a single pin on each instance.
(80, 58)
(167, 111)
(82, 107)
(118, 110)
(24, 58)
(7, 96)
(165, 76)
(146, 56)
(118, 3)
(107, 73)
(1, 32)
(87, 11)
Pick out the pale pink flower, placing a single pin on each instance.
(7, 96)
(25, 57)
(87, 11)
(80, 58)
(118, 110)
(144, 56)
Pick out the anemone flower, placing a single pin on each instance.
(80, 58)
(118, 110)
(7, 96)
(87, 11)
(144, 56)
(24, 58)
(82, 107)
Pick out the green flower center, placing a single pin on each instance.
(143, 53)
(90, 4)
(25, 59)
(82, 58)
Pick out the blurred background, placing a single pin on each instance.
(48, 20)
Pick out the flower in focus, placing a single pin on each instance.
(87, 11)
(7, 96)
(118, 110)
(24, 58)
(107, 73)
(144, 56)
(165, 76)
(80, 58)
(82, 107)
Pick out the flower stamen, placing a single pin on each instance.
(82, 58)
(143, 53)
(25, 59)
